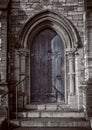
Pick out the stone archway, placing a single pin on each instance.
(48, 19)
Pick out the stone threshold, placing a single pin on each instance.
(51, 114)
(50, 122)
(50, 106)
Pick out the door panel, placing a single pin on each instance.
(57, 67)
(47, 60)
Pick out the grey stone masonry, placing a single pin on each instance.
(20, 22)
(73, 10)
(88, 55)
(3, 50)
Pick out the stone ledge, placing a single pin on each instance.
(51, 114)
(52, 107)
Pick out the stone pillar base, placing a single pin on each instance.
(22, 99)
(73, 101)
(91, 122)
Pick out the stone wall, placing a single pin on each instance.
(88, 55)
(3, 46)
(13, 19)
(73, 10)
(3, 58)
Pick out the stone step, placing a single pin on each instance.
(51, 114)
(50, 106)
(49, 128)
(50, 122)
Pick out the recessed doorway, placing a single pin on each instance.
(47, 68)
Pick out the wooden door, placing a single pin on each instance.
(47, 73)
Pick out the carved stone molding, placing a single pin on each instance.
(71, 56)
(23, 52)
(62, 26)
(49, 19)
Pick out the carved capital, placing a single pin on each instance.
(71, 53)
(23, 52)
(70, 50)
(83, 87)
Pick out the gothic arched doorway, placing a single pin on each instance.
(47, 67)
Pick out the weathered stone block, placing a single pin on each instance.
(33, 114)
(62, 1)
(23, 10)
(78, 17)
(68, 8)
(51, 107)
(73, 101)
(23, 1)
(41, 107)
(33, 1)
(80, 9)
(72, 1)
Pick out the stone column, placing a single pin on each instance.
(76, 72)
(72, 97)
(16, 63)
(83, 88)
(22, 66)
(22, 94)
(28, 82)
(71, 57)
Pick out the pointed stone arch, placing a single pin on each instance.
(52, 20)
(64, 28)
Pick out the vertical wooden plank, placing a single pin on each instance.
(47, 59)
(58, 66)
